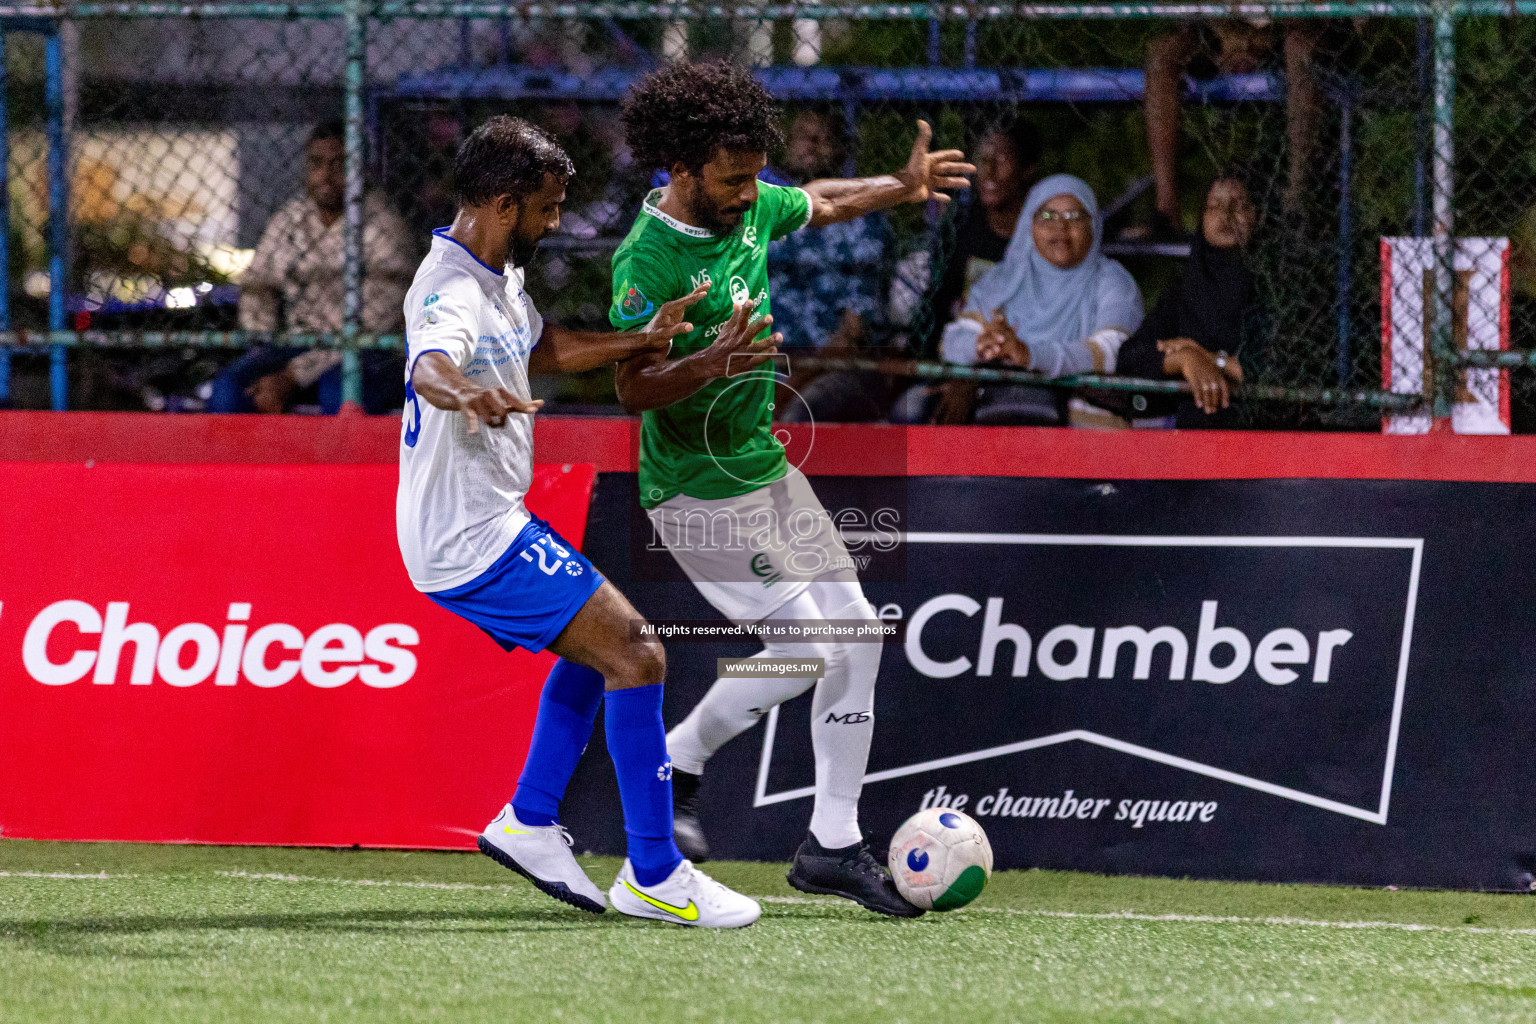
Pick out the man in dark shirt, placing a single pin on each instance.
(1008, 164)
(828, 288)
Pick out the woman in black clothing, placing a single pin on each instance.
(1196, 329)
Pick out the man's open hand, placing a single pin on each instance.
(927, 173)
(492, 406)
(668, 322)
(734, 351)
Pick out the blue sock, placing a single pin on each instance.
(638, 745)
(567, 708)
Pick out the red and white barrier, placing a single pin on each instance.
(1480, 323)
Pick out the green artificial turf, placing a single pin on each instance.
(225, 934)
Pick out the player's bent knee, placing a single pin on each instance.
(651, 665)
(644, 664)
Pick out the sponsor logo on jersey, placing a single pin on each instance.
(634, 305)
(664, 773)
(740, 293)
(431, 299)
(749, 237)
(851, 718)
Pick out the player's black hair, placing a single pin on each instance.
(328, 131)
(1024, 138)
(686, 113)
(506, 156)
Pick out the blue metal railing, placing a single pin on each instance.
(58, 215)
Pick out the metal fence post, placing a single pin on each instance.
(1442, 338)
(1421, 129)
(58, 214)
(1344, 358)
(352, 274)
(5, 229)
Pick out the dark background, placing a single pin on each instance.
(1459, 810)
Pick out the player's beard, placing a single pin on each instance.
(718, 221)
(521, 252)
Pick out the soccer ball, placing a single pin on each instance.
(940, 859)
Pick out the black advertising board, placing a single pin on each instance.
(1284, 680)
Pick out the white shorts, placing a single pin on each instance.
(750, 554)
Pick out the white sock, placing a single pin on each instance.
(732, 706)
(843, 719)
(842, 712)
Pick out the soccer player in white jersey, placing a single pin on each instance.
(741, 522)
(466, 460)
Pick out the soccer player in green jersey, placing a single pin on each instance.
(743, 524)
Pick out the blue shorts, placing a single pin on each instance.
(529, 595)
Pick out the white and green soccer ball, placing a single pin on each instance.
(940, 859)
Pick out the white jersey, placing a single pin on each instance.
(460, 502)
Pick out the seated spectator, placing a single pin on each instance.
(1007, 164)
(828, 287)
(295, 283)
(1228, 46)
(1196, 329)
(1056, 304)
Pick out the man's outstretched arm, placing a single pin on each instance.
(439, 382)
(563, 351)
(838, 199)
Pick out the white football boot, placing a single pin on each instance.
(541, 854)
(687, 896)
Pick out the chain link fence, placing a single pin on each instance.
(187, 181)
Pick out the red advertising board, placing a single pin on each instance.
(234, 654)
(294, 688)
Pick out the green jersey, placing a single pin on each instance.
(716, 443)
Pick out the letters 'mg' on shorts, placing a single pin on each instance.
(529, 594)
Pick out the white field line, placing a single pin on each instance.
(384, 882)
(1116, 915)
(1284, 922)
(100, 876)
(1130, 915)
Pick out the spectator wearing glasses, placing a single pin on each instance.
(295, 283)
(1055, 304)
(1007, 164)
(1196, 330)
